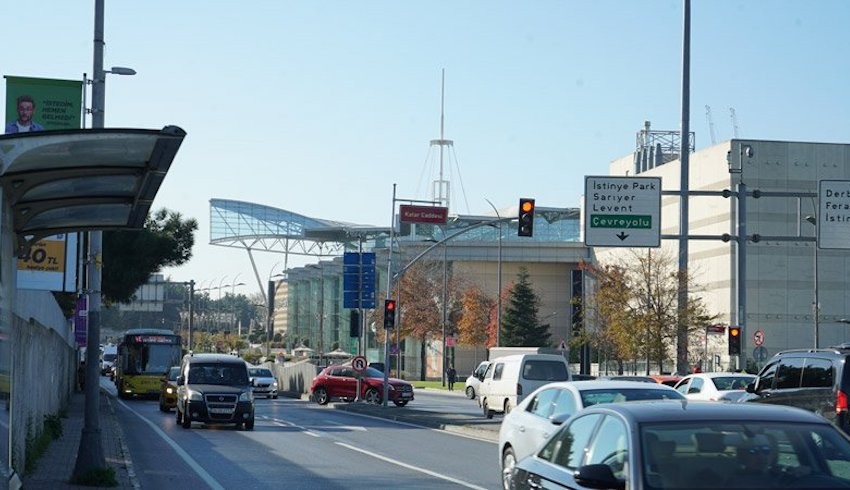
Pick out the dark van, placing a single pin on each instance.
(813, 379)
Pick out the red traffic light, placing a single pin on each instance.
(526, 205)
(389, 305)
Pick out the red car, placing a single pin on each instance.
(341, 382)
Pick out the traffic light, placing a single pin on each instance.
(354, 324)
(526, 217)
(734, 341)
(389, 314)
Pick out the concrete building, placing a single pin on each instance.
(780, 250)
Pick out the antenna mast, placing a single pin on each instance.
(441, 186)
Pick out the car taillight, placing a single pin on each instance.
(840, 402)
(519, 389)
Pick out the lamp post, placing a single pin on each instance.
(499, 294)
(816, 303)
(272, 290)
(90, 453)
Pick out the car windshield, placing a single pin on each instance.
(726, 383)
(750, 455)
(173, 373)
(259, 373)
(611, 395)
(110, 357)
(218, 374)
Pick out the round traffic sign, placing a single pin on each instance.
(359, 363)
(758, 337)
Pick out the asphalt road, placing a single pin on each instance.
(300, 444)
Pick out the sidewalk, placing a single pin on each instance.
(55, 467)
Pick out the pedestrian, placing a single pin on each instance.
(81, 375)
(451, 376)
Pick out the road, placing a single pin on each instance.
(299, 444)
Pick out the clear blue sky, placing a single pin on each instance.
(319, 107)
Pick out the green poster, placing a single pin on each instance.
(36, 104)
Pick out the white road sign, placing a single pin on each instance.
(833, 221)
(622, 211)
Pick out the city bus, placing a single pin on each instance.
(144, 355)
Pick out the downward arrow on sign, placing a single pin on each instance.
(622, 236)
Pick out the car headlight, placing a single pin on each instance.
(169, 390)
(246, 396)
(274, 384)
(195, 395)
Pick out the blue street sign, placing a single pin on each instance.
(358, 280)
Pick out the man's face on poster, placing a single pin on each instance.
(25, 111)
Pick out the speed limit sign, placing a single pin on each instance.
(359, 363)
(758, 337)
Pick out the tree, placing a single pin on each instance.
(635, 305)
(520, 326)
(475, 317)
(131, 256)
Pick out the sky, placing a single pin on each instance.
(319, 107)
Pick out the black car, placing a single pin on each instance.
(813, 379)
(687, 444)
(214, 389)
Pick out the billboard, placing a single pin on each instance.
(50, 264)
(38, 104)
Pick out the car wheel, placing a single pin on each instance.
(249, 424)
(400, 403)
(508, 463)
(321, 396)
(372, 396)
(179, 416)
(274, 397)
(507, 407)
(187, 421)
(162, 407)
(487, 412)
(470, 392)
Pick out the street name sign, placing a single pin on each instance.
(622, 211)
(409, 213)
(833, 220)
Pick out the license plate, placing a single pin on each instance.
(407, 395)
(220, 410)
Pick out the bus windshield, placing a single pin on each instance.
(149, 355)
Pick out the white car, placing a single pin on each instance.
(714, 386)
(263, 382)
(526, 427)
(473, 382)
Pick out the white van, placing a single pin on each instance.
(508, 379)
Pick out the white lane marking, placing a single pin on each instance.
(179, 450)
(411, 467)
(408, 424)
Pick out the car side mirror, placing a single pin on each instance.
(560, 418)
(598, 476)
(751, 388)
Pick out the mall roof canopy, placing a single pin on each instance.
(86, 179)
(254, 226)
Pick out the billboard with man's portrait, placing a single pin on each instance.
(38, 104)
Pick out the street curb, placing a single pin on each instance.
(127, 460)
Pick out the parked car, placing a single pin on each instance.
(214, 389)
(509, 379)
(528, 426)
(686, 444)
(713, 386)
(473, 382)
(340, 382)
(814, 379)
(263, 381)
(168, 391)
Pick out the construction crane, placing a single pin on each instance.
(734, 121)
(710, 124)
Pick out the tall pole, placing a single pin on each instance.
(684, 157)
(499, 293)
(90, 453)
(445, 301)
(816, 300)
(388, 296)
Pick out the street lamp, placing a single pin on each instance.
(499, 294)
(90, 454)
(816, 304)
